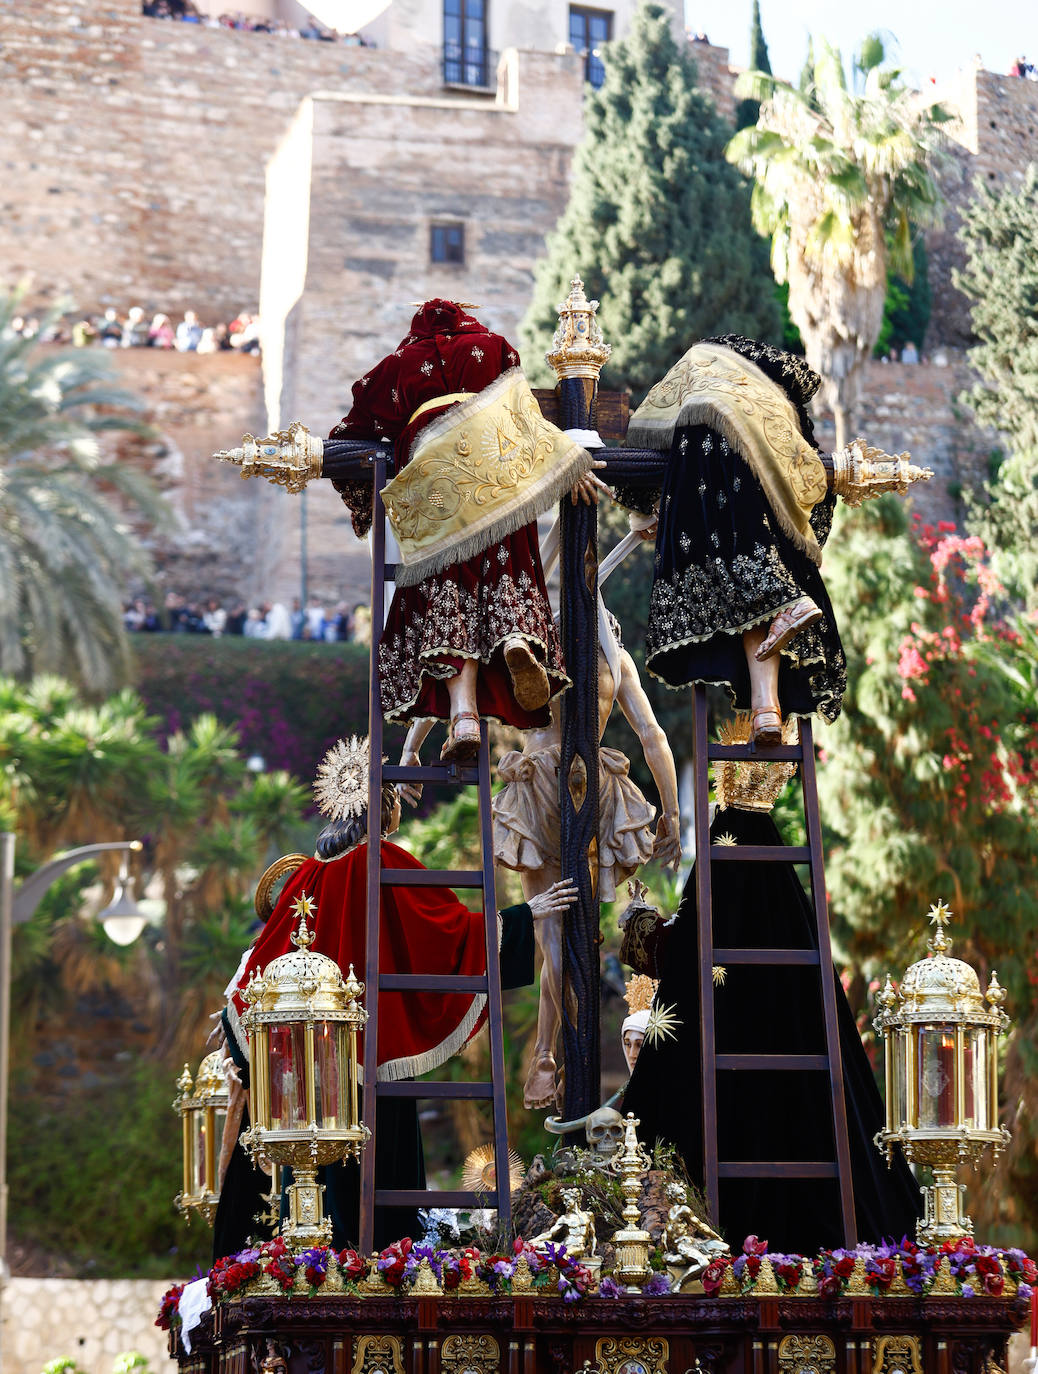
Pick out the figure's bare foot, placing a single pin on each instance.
(539, 1089)
(529, 680)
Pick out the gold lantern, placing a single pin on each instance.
(303, 1021)
(940, 1054)
(202, 1106)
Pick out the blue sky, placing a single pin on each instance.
(933, 40)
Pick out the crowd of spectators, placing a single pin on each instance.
(135, 330)
(269, 620)
(188, 13)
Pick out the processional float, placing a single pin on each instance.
(880, 1312)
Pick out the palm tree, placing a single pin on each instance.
(840, 179)
(67, 557)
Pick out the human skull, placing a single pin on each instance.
(605, 1132)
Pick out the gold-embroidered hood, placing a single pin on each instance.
(483, 469)
(715, 386)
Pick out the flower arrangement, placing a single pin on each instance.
(975, 1270)
(169, 1308)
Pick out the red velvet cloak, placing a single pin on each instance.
(424, 930)
(470, 609)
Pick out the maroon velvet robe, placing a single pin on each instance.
(470, 609)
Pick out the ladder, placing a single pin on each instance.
(704, 752)
(375, 981)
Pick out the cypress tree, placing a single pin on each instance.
(1000, 232)
(658, 223)
(746, 111)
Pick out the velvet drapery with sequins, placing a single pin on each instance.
(470, 609)
(723, 564)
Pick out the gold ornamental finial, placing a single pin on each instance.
(304, 907)
(578, 349)
(861, 473)
(288, 458)
(940, 916)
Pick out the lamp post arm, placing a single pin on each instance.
(31, 893)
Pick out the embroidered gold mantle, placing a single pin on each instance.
(714, 386)
(483, 469)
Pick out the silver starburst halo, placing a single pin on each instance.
(341, 785)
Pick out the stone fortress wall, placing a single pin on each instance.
(172, 166)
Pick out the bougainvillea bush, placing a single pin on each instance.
(289, 701)
(929, 790)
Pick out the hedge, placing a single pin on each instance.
(290, 700)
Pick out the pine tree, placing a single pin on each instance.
(746, 111)
(1000, 232)
(658, 224)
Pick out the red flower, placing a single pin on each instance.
(351, 1264)
(829, 1286)
(790, 1273)
(752, 1246)
(393, 1261)
(169, 1311)
(964, 1243)
(844, 1267)
(993, 1285)
(713, 1276)
(753, 1265)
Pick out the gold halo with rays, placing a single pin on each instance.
(479, 1174)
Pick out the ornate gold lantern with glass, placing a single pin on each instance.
(303, 1022)
(940, 1053)
(202, 1106)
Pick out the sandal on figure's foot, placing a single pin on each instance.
(530, 684)
(786, 625)
(766, 725)
(462, 743)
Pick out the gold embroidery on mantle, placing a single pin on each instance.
(480, 471)
(714, 386)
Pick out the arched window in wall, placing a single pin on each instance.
(589, 31)
(465, 56)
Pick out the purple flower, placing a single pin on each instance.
(656, 1287)
(555, 1254)
(609, 1288)
(967, 1290)
(429, 1252)
(503, 1267)
(1024, 1290)
(317, 1258)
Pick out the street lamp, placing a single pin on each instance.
(17, 907)
(122, 918)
